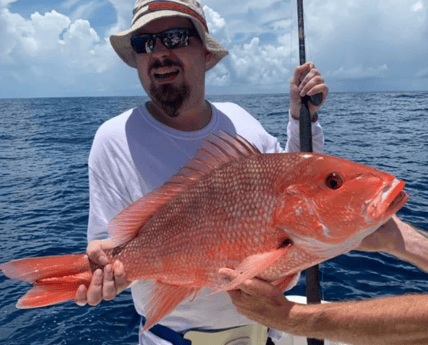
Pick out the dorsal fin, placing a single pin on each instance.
(213, 154)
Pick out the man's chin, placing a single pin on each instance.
(170, 98)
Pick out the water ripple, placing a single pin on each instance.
(45, 145)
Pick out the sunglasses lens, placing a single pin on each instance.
(171, 38)
(175, 38)
(142, 44)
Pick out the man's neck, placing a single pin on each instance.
(187, 119)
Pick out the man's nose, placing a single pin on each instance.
(159, 49)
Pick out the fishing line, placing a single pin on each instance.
(312, 274)
(307, 37)
(293, 22)
(321, 275)
(308, 47)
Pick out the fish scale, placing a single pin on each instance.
(263, 215)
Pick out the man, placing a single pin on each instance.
(133, 153)
(397, 320)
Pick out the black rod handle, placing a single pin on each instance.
(305, 127)
(316, 99)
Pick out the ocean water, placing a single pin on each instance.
(44, 147)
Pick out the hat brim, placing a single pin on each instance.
(121, 42)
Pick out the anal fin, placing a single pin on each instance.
(164, 299)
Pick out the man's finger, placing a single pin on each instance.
(109, 288)
(95, 289)
(120, 277)
(80, 297)
(250, 286)
(227, 273)
(235, 295)
(300, 72)
(95, 252)
(307, 87)
(258, 287)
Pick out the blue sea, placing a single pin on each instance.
(44, 148)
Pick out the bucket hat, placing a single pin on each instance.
(146, 11)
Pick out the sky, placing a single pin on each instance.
(60, 48)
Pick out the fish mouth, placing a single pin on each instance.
(388, 201)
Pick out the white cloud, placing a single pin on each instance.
(247, 19)
(8, 33)
(249, 63)
(259, 64)
(423, 73)
(50, 51)
(52, 38)
(123, 15)
(283, 25)
(239, 7)
(85, 11)
(219, 76)
(217, 26)
(349, 41)
(44, 30)
(69, 4)
(4, 3)
(418, 6)
(359, 72)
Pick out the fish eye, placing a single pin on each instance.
(334, 181)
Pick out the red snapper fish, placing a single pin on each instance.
(264, 215)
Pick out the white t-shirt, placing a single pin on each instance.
(133, 154)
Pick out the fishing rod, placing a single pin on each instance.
(313, 286)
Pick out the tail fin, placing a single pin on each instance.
(55, 278)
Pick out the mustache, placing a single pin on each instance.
(164, 63)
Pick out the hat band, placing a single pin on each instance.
(166, 5)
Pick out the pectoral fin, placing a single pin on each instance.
(287, 282)
(254, 265)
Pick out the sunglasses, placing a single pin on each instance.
(170, 38)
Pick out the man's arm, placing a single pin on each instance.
(306, 81)
(105, 202)
(393, 320)
(293, 133)
(400, 240)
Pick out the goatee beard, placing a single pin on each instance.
(170, 98)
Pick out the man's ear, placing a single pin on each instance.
(208, 58)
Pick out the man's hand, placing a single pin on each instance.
(106, 283)
(259, 300)
(306, 81)
(385, 239)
